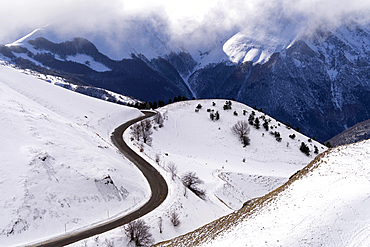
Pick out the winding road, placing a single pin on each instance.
(157, 184)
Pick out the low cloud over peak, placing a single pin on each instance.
(190, 22)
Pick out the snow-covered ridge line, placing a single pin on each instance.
(62, 82)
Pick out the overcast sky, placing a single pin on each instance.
(175, 18)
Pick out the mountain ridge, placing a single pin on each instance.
(317, 82)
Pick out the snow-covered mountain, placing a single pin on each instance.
(325, 204)
(232, 174)
(58, 168)
(60, 172)
(315, 79)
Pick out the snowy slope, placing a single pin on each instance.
(58, 168)
(193, 142)
(325, 205)
(210, 149)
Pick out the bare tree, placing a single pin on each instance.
(158, 118)
(138, 232)
(142, 130)
(190, 180)
(242, 129)
(172, 168)
(174, 218)
(146, 129)
(136, 131)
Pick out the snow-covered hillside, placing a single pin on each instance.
(324, 205)
(232, 174)
(58, 168)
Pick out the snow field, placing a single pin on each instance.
(57, 160)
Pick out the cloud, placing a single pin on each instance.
(193, 21)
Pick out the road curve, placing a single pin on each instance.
(157, 184)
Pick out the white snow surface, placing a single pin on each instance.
(58, 168)
(195, 143)
(88, 61)
(329, 206)
(259, 44)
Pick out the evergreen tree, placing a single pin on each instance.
(257, 123)
(217, 115)
(304, 148)
(251, 119)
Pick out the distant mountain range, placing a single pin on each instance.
(319, 82)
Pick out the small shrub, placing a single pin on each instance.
(174, 218)
(160, 224)
(227, 105)
(172, 168)
(328, 144)
(157, 158)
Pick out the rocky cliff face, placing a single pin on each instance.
(318, 82)
(356, 133)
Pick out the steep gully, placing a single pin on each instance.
(158, 186)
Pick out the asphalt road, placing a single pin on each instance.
(157, 184)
